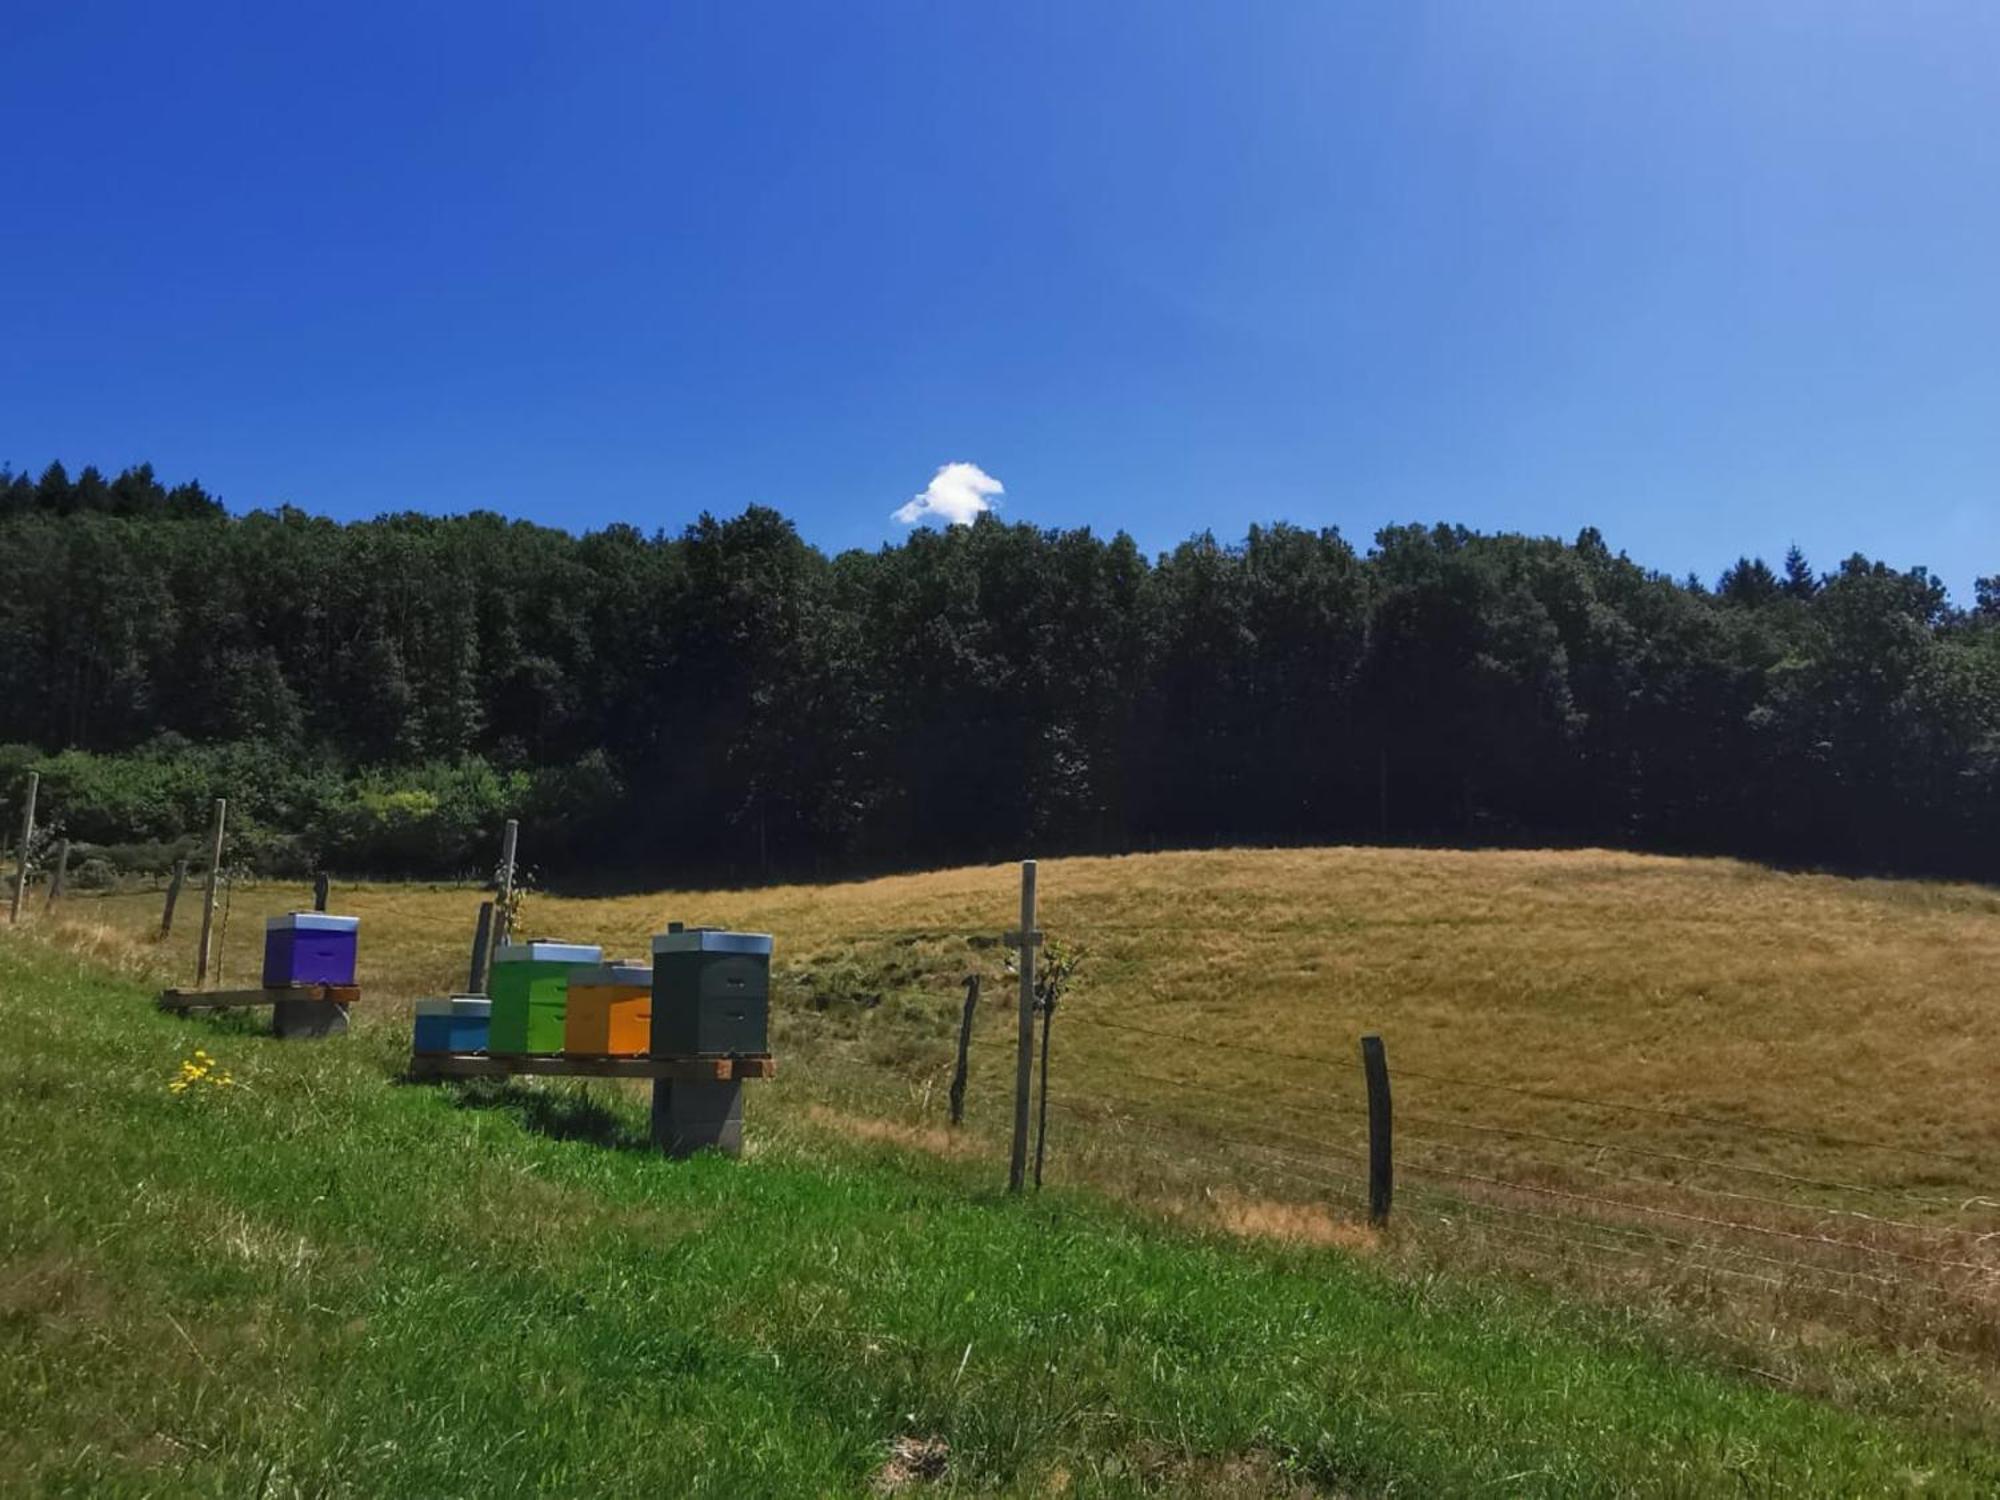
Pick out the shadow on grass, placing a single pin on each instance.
(562, 1114)
(247, 1021)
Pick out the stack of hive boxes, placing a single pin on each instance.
(530, 988)
(706, 994)
(711, 992)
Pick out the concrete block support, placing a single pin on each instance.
(690, 1117)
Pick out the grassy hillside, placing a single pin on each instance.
(1856, 1006)
(317, 1281)
(1754, 1108)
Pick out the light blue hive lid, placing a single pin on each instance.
(311, 921)
(548, 953)
(711, 940)
(457, 1005)
(626, 972)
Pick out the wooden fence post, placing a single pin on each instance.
(482, 936)
(1381, 1158)
(208, 902)
(173, 898)
(1042, 1109)
(320, 884)
(60, 878)
(1024, 942)
(964, 1048)
(27, 843)
(508, 842)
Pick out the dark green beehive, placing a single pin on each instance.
(711, 992)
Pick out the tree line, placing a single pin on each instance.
(730, 701)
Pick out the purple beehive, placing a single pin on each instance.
(310, 947)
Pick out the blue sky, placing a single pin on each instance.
(1714, 278)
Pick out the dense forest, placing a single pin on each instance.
(376, 696)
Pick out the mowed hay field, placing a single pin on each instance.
(1757, 1107)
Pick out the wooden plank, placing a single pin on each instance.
(559, 1065)
(332, 994)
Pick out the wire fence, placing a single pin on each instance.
(1899, 1237)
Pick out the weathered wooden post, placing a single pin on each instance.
(320, 891)
(208, 902)
(964, 1049)
(1024, 942)
(508, 841)
(27, 843)
(173, 898)
(482, 938)
(1381, 1160)
(1042, 1109)
(60, 878)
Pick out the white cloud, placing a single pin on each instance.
(956, 493)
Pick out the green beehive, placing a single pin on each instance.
(530, 988)
(711, 993)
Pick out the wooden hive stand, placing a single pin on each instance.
(697, 1101)
(298, 1011)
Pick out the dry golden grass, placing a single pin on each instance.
(1813, 1057)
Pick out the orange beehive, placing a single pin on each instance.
(610, 1011)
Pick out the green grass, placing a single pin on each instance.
(321, 1282)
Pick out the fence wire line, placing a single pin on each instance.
(1323, 1061)
(1429, 1198)
(1343, 1187)
(1717, 1163)
(1334, 1106)
(1320, 1150)
(1763, 1200)
(1817, 1137)
(1713, 1163)
(1563, 1256)
(1573, 1243)
(1206, 1043)
(1691, 1218)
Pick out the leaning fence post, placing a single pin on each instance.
(60, 878)
(482, 936)
(173, 898)
(1381, 1161)
(27, 842)
(1024, 943)
(208, 904)
(964, 1049)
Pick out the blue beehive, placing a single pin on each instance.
(455, 1025)
(310, 947)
